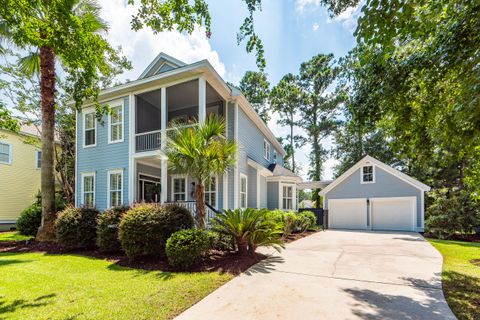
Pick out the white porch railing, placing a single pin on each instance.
(148, 141)
(192, 207)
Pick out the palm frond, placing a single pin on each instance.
(30, 64)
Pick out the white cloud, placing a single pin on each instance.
(301, 5)
(315, 26)
(142, 46)
(349, 17)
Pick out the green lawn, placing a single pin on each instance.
(13, 236)
(43, 286)
(461, 278)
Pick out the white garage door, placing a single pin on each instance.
(347, 213)
(393, 213)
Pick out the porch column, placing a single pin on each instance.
(202, 99)
(163, 116)
(164, 179)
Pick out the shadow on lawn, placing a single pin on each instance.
(6, 262)
(463, 294)
(425, 304)
(11, 307)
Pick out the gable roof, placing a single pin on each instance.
(162, 63)
(371, 160)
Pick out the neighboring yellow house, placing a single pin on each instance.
(20, 161)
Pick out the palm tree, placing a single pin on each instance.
(202, 152)
(64, 33)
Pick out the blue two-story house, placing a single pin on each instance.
(120, 159)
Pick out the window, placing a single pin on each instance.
(115, 121)
(5, 153)
(179, 189)
(90, 126)
(287, 198)
(266, 149)
(115, 187)
(243, 191)
(274, 156)
(211, 192)
(88, 189)
(368, 174)
(38, 159)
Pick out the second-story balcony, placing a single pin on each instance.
(184, 103)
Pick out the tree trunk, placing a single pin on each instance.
(291, 142)
(46, 232)
(251, 249)
(242, 245)
(200, 201)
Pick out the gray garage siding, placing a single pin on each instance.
(386, 185)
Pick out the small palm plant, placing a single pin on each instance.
(202, 152)
(250, 228)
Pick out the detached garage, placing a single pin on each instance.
(374, 196)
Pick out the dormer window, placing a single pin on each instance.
(368, 174)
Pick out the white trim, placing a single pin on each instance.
(367, 159)
(284, 178)
(164, 181)
(373, 174)
(37, 159)
(110, 172)
(76, 158)
(422, 213)
(243, 176)
(172, 191)
(258, 189)
(132, 166)
(413, 200)
(202, 100)
(117, 103)
(86, 112)
(171, 61)
(216, 191)
(235, 171)
(225, 174)
(83, 175)
(10, 153)
(163, 117)
(263, 171)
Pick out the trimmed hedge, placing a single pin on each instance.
(107, 229)
(77, 227)
(145, 228)
(185, 248)
(30, 220)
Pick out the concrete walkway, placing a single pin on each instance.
(336, 275)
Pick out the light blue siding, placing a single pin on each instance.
(102, 158)
(386, 185)
(252, 187)
(263, 192)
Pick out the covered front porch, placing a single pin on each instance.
(154, 183)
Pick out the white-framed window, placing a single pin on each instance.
(115, 122)
(243, 191)
(89, 129)
(115, 188)
(179, 188)
(266, 149)
(5, 153)
(38, 159)
(211, 192)
(287, 197)
(367, 174)
(88, 189)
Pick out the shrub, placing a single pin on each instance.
(288, 220)
(76, 227)
(250, 228)
(306, 220)
(145, 228)
(176, 218)
(107, 229)
(186, 247)
(222, 242)
(30, 220)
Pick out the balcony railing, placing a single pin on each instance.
(192, 207)
(148, 141)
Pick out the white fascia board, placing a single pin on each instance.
(262, 170)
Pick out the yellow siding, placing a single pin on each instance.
(20, 180)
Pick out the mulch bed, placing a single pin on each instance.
(220, 261)
(458, 237)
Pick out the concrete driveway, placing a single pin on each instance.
(336, 275)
